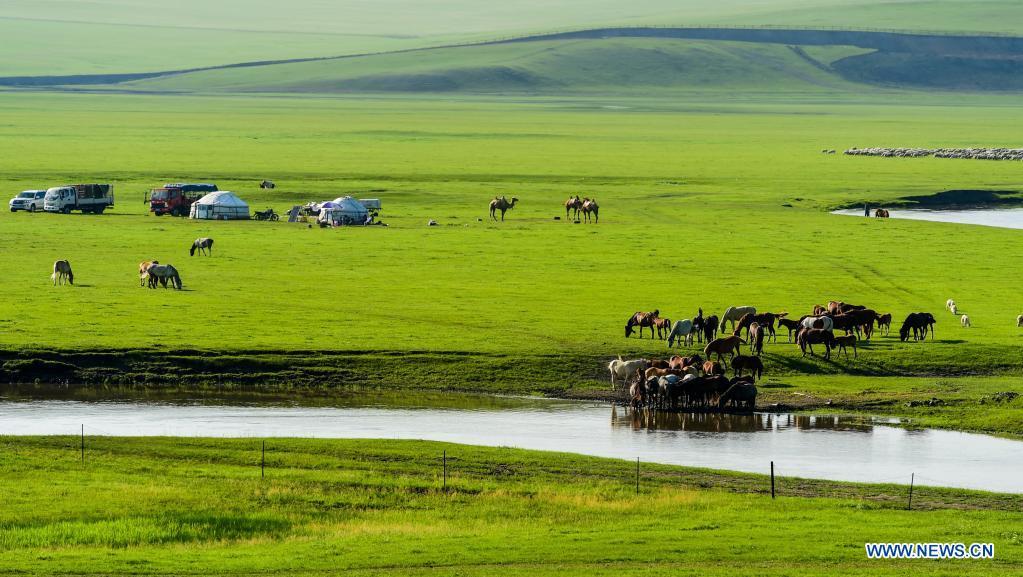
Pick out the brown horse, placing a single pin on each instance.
(743, 363)
(722, 346)
(501, 204)
(846, 341)
(765, 320)
(884, 323)
(713, 368)
(918, 323)
(809, 337)
(710, 328)
(881, 213)
(144, 272)
(641, 320)
(663, 326)
(590, 207)
(573, 204)
(792, 325)
(756, 339)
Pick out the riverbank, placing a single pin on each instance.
(978, 403)
(174, 505)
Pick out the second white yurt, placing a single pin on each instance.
(345, 210)
(222, 205)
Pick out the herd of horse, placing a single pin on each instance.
(151, 272)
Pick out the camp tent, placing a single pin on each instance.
(344, 210)
(223, 205)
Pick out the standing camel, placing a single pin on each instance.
(573, 204)
(501, 204)
(590, 207)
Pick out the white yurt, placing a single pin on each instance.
(344, 210)
(222, 205)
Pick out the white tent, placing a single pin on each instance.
(344, 210)
(223, 205)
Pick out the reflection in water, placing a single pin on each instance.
(710, 422)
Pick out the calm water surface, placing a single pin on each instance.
(1000, 217)
(825, 447)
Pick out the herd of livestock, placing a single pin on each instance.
(700, 382)
(970, 153)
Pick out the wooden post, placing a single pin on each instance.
(912, 477)
(637, 475)
(445, 470)
(262, 462)
(772, 479)
(83, 442)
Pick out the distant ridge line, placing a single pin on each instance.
(888, 40)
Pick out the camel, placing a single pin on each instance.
(501, 204)
(62, 273)
(590, 206)
(573, 204)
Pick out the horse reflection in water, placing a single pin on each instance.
(653, 420)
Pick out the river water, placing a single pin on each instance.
(824, 447)
(1000, 217)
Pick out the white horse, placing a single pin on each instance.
(62, 272)
(734, 314)
(625, 369)
(954, 309)
(164, 273)
(683, 331)
(965, 321)
(1019, 321)
(826, 323)
(950, 304)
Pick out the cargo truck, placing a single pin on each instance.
(176, 199)
(94, 198)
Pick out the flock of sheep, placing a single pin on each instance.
(969, 153)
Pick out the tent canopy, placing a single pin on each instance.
(345, 210)
(222, 205)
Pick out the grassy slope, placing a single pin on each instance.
(562, 67)
(46, 37)
(376, 507)
(692, 201)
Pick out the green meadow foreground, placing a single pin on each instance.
(702, 205)
(199, 506)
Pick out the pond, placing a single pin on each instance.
(824, 447)
(1000, 217)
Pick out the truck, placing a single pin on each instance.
(94, 198)
(176, 198)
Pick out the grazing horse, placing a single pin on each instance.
(1019, 321)
(756, 339)
(202, 244)
(641, 319)
(740, 396)
(846, 341)
(62, 273)
(884, 322)
(683, 332)
(624, 370)
(819, 310)
(267, 184)
(792, 325)
(822, 323)
(918, 323)
(856, 320)
(144, 271)
(809, 337)
(752, 364)
(501, 204)
(713, 368)
(734, 314)
(949, 304)
(765, 320)
(590, 207)
(663, 326)
(573, 204)
(965, 321)
(710, 328)
(681, 363)
(164, 273)
(722, 346)
(881, 213)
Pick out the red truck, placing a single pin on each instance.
(176, 199)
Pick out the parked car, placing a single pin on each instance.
(30, 200)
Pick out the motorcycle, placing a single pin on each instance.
(267, 214)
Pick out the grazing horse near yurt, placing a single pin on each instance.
(756, 339)
(144, 271)
(62, 273)
(844, 342)
(502, 204)
(710, 328)
(881, 213)
(641, 320)
(165, 273)
(683, 332)
(884, 323)
(202, 244)
(809, 337)
(590, 207)
(725, 345)
(743, 363)
(573, 204)
(734, 314)
(791, 325)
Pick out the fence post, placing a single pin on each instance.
(262, 462)
(912, 477)
(772, 479)
(637, 475)
(83, 442)
(445, 470)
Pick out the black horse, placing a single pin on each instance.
(918, 323)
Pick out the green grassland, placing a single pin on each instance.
(55, 37)
(183, 506)
(703, 205)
